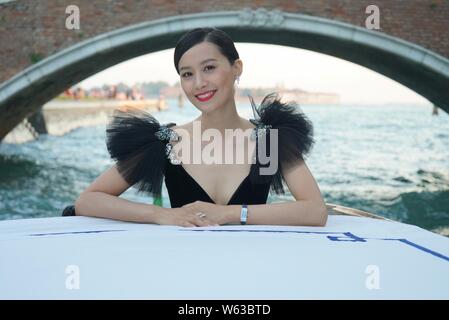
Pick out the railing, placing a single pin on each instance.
(341, 210)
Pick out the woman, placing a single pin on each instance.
(204, 193)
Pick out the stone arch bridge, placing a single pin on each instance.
(40, 56)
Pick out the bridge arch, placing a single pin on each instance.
(421, 70)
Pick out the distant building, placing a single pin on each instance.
(111, 92)
(304, 97)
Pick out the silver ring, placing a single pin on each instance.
(201, 215)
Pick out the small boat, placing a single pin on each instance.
(357, 255)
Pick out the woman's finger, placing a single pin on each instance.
(201, 222)
(204, 222)
(187, 224)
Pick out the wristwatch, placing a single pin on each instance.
(244, 214)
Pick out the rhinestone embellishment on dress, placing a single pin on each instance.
(170, 155)
(260, 129)
(168, 135)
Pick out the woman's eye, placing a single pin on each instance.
(187, 74)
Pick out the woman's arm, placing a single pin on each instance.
(309, 209)
(101, 199)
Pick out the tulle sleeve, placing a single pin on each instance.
(137, 142)
(294, 133)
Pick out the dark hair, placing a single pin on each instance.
(213, 35)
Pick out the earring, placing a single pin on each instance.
(238, 79)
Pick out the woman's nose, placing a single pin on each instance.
(199, 82)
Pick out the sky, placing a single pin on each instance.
(270, 65)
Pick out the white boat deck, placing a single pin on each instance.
(350, 258)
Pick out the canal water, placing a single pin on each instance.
(391, 160)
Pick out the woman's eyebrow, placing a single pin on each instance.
(203, 62)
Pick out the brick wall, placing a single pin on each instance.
(31, 30)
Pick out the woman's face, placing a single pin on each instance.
(203, 69)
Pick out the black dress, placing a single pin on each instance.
(183, 188)
(142, 150)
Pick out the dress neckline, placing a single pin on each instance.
(207, 194)
(257, 125)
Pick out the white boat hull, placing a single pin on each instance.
(350, 258)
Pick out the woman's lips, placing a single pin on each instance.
(207, 96)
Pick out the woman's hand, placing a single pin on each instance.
(212, 212)
(195, 214)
